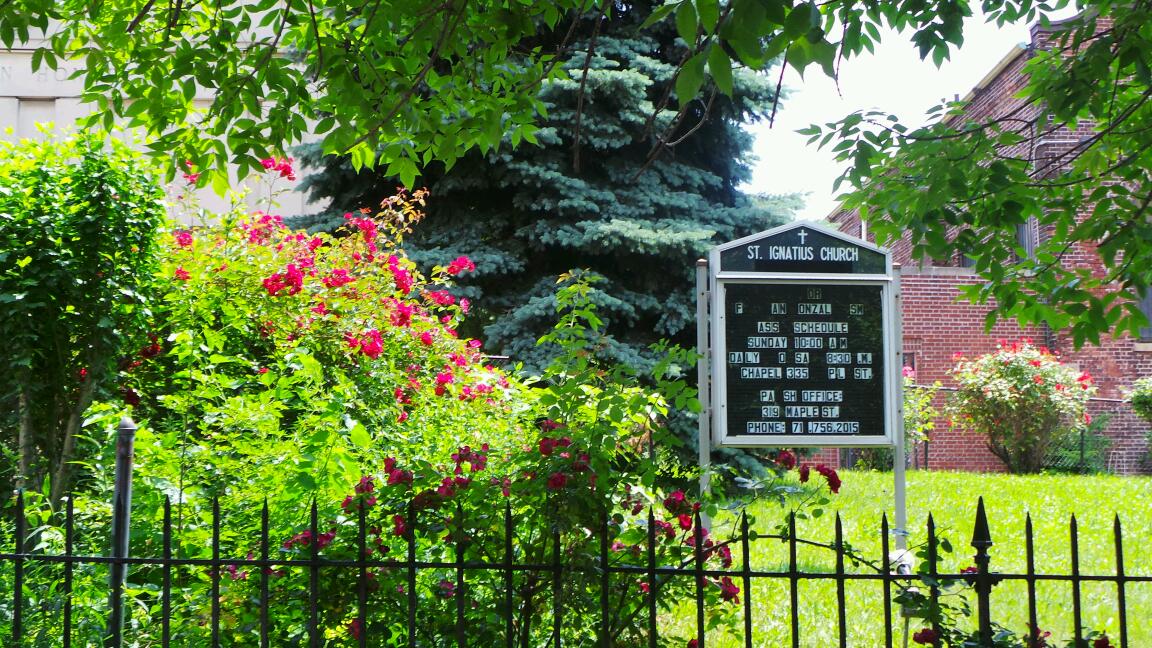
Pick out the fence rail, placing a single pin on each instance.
(607, 568)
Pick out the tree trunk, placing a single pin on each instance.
(62, 479)
(26, 444)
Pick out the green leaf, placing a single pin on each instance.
(709, 12)
(686, 23)
(720, 67)
(359, 436)
(690, 79)
(660, 13)
(800, 20)
(405, 169)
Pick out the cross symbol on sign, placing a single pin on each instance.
(803, 235)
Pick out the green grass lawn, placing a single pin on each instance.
(952, 497)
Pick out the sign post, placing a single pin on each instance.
(804, 346)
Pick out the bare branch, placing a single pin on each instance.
(61, 481)
(667, 96)
(703, 120)
(580, 95)
(1083, 145)
(779, 88)
(319, 44)
(140, 16)
(173, 19)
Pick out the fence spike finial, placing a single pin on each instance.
(981, 536)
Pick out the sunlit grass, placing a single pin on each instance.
(952, 497)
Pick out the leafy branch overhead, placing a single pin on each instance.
(1049, 198)
(399, 83)
(405, 83)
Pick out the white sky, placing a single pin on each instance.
(894, 79)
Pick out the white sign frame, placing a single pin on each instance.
(717, 357)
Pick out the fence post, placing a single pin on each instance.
(121, 515)
(982, 541)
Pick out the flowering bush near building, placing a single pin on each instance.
(1021, 397)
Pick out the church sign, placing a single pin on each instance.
(803, 348)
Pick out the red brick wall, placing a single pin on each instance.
(936, 326)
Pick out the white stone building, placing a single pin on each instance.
(29, 98)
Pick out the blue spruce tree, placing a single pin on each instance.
(596, 191)
(619, 181)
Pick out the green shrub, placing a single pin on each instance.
(77, 221)
(1140, 396)
(286, 369)
(919, 420)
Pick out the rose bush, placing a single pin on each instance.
(296, 360)
(283, 368)
(1021, 398)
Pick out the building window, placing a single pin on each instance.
(1025, 239)
(909, 358)
(1146, 308)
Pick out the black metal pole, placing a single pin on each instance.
(121, 517)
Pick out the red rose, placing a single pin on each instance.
(926, 636)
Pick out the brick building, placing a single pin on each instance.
(936, 324)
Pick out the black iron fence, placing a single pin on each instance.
(552, 573)
(43, 585)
